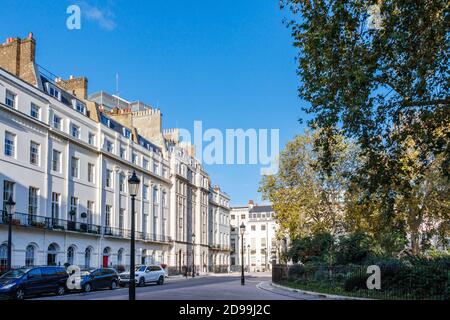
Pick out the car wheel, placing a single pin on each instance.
(20, 294)
(160, 281)
(87, 288)
(113, 285)
(141, 282)
(61, 291)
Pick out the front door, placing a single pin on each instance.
(51, 259)
(105, 261)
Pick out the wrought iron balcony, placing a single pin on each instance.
(48, 223)
(125, 233)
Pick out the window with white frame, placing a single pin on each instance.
(134, 158)
(122, 183)
(155, 195)
(164, 198)
(108, 216)
(126, 133)
(90, 212)
(91, 172)
(10, 144)
(56, 161)
(33, 197)
(53, 91)
(91, 139)
(34, 153)
(55, 205)
(75, 131)
(11, 99)
(123, 153)
(57, 122)
(109, 178)
(73, 209)
(35, 111)
(74, 167)
(145, 164)
(109, 146)
(8, 191)
(80, 107)
(145, 192)
(121, 218)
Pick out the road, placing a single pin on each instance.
(224, 287)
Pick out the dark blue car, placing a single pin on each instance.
(20, 283)
(99, 279)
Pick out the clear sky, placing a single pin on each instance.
(230, 64)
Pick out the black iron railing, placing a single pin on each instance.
(49, 223)
(125, 233)
(396, 282)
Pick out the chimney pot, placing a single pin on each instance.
(30, 35)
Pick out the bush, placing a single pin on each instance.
(355, 282)
(355, 248)
(311, 249)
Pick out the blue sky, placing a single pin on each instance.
(230, 64)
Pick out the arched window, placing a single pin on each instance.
(87, 257)
(71, 255)
(29, 256)
(3, 256)
(120, 257)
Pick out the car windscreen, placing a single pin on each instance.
(14, 274)
(141, 268)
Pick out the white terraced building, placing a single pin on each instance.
(260, 245)
(65, 161)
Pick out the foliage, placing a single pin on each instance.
(355, 248)
(375, 87)
(308, 200)
(311, 249)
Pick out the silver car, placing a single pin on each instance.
(144, 275)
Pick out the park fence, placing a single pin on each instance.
(397, 282)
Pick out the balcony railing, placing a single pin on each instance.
(49, 223)
(125, 233)
(220, 247)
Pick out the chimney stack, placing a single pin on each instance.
(17, 56)
(77, 86)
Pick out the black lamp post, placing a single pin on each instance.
(9, 210)
(193, 255)
(242, 229)
(133, 188)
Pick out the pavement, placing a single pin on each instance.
(205, 287)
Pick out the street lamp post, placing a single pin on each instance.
(9, 208)
(193, 255)
(242, 229)
(133, 187)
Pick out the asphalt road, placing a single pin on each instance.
(226, 287)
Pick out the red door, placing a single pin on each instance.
(105, 261)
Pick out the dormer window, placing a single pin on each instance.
(105, 121)
(54, 91)
(126, 133)
(80, 107)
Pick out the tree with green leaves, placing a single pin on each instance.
(383, 85)
(306, 199)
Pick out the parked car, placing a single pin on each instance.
(144, 275)
(101, 278)
(23, 282)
